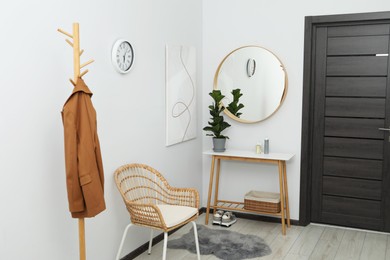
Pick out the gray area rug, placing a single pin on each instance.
(224, 244)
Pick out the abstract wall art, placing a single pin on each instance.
(180, 94)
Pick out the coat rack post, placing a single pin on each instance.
(76, 51)
(82, 239)
(76, 68)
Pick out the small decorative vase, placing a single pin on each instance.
(219, 144)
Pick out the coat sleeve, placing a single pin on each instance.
(75, 196)
(89, 156)
(86, 147)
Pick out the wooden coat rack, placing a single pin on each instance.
(76, 67)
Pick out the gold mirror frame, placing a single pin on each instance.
(283, 94)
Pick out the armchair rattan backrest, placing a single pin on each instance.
(141, 184)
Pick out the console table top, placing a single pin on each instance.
(252, 154)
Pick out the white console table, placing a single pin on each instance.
(248, 156)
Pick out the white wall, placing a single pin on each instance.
(35, 64)
(279, 27)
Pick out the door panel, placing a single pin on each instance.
(356, 86)
(354, 127)
(352, 221)
(351, 206)
(355, 107)
(357, 66)
(357, 168)
(358, 45)
(353, 148)
(353, 188)
(358, 30)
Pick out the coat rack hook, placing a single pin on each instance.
(73, 83)
(83, 73)
(63, 32)
(81, 52)
(85, 64)
(69, 42)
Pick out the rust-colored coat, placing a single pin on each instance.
(83, 161)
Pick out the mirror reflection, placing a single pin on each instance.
(260, 76)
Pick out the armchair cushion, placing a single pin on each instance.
(174, 215)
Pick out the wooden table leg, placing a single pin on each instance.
(286, 194)
(210, 189)
(280, 167)
(216, 185)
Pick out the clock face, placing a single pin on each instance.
(123, 56)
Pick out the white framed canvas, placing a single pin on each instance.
(180, 94)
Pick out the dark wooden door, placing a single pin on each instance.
(350, 161)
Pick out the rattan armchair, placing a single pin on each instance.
(152, 203)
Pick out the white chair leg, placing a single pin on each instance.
(123, 240)
(196, 239)
(165, 245)
(150, 241)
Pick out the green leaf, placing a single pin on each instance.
(233, 106)
(217, 96)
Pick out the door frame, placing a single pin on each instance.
(311, 25)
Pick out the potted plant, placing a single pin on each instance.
(217, 124)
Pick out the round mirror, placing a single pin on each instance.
(260, 76)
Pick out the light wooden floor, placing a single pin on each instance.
(300, 243)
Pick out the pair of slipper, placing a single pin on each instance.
(224, 218)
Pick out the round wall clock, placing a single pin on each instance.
(122, 56)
